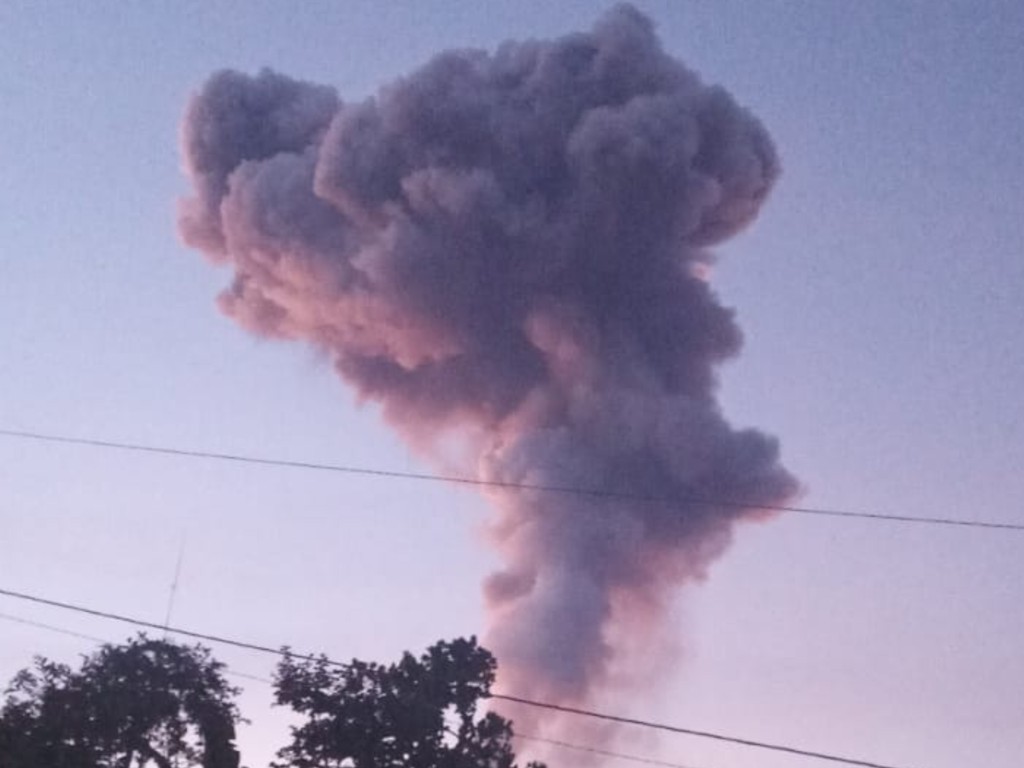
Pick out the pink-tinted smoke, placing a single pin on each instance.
(511, 247)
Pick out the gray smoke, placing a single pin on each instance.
(508, 249)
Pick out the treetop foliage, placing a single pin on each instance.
(156, 703)
(419, 712)
(147, 702)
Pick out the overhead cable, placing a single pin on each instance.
(228, 670)
(460, 480)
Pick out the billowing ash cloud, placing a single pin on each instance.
(510, 248)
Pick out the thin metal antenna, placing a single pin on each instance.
(174, 585)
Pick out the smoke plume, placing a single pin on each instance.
(509, 250)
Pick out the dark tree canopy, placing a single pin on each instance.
(157, 704)
(418, 713)
(144, 703)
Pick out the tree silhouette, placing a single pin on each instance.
(418, 713)
(144, 703)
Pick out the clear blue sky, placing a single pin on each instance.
(881, 291)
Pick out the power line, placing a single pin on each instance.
(51, 628)
(504, 697)
(93, 639)
(458, 480)
(689, 731)
(163, 628)
(602, 752)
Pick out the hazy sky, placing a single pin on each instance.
(881, 293)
